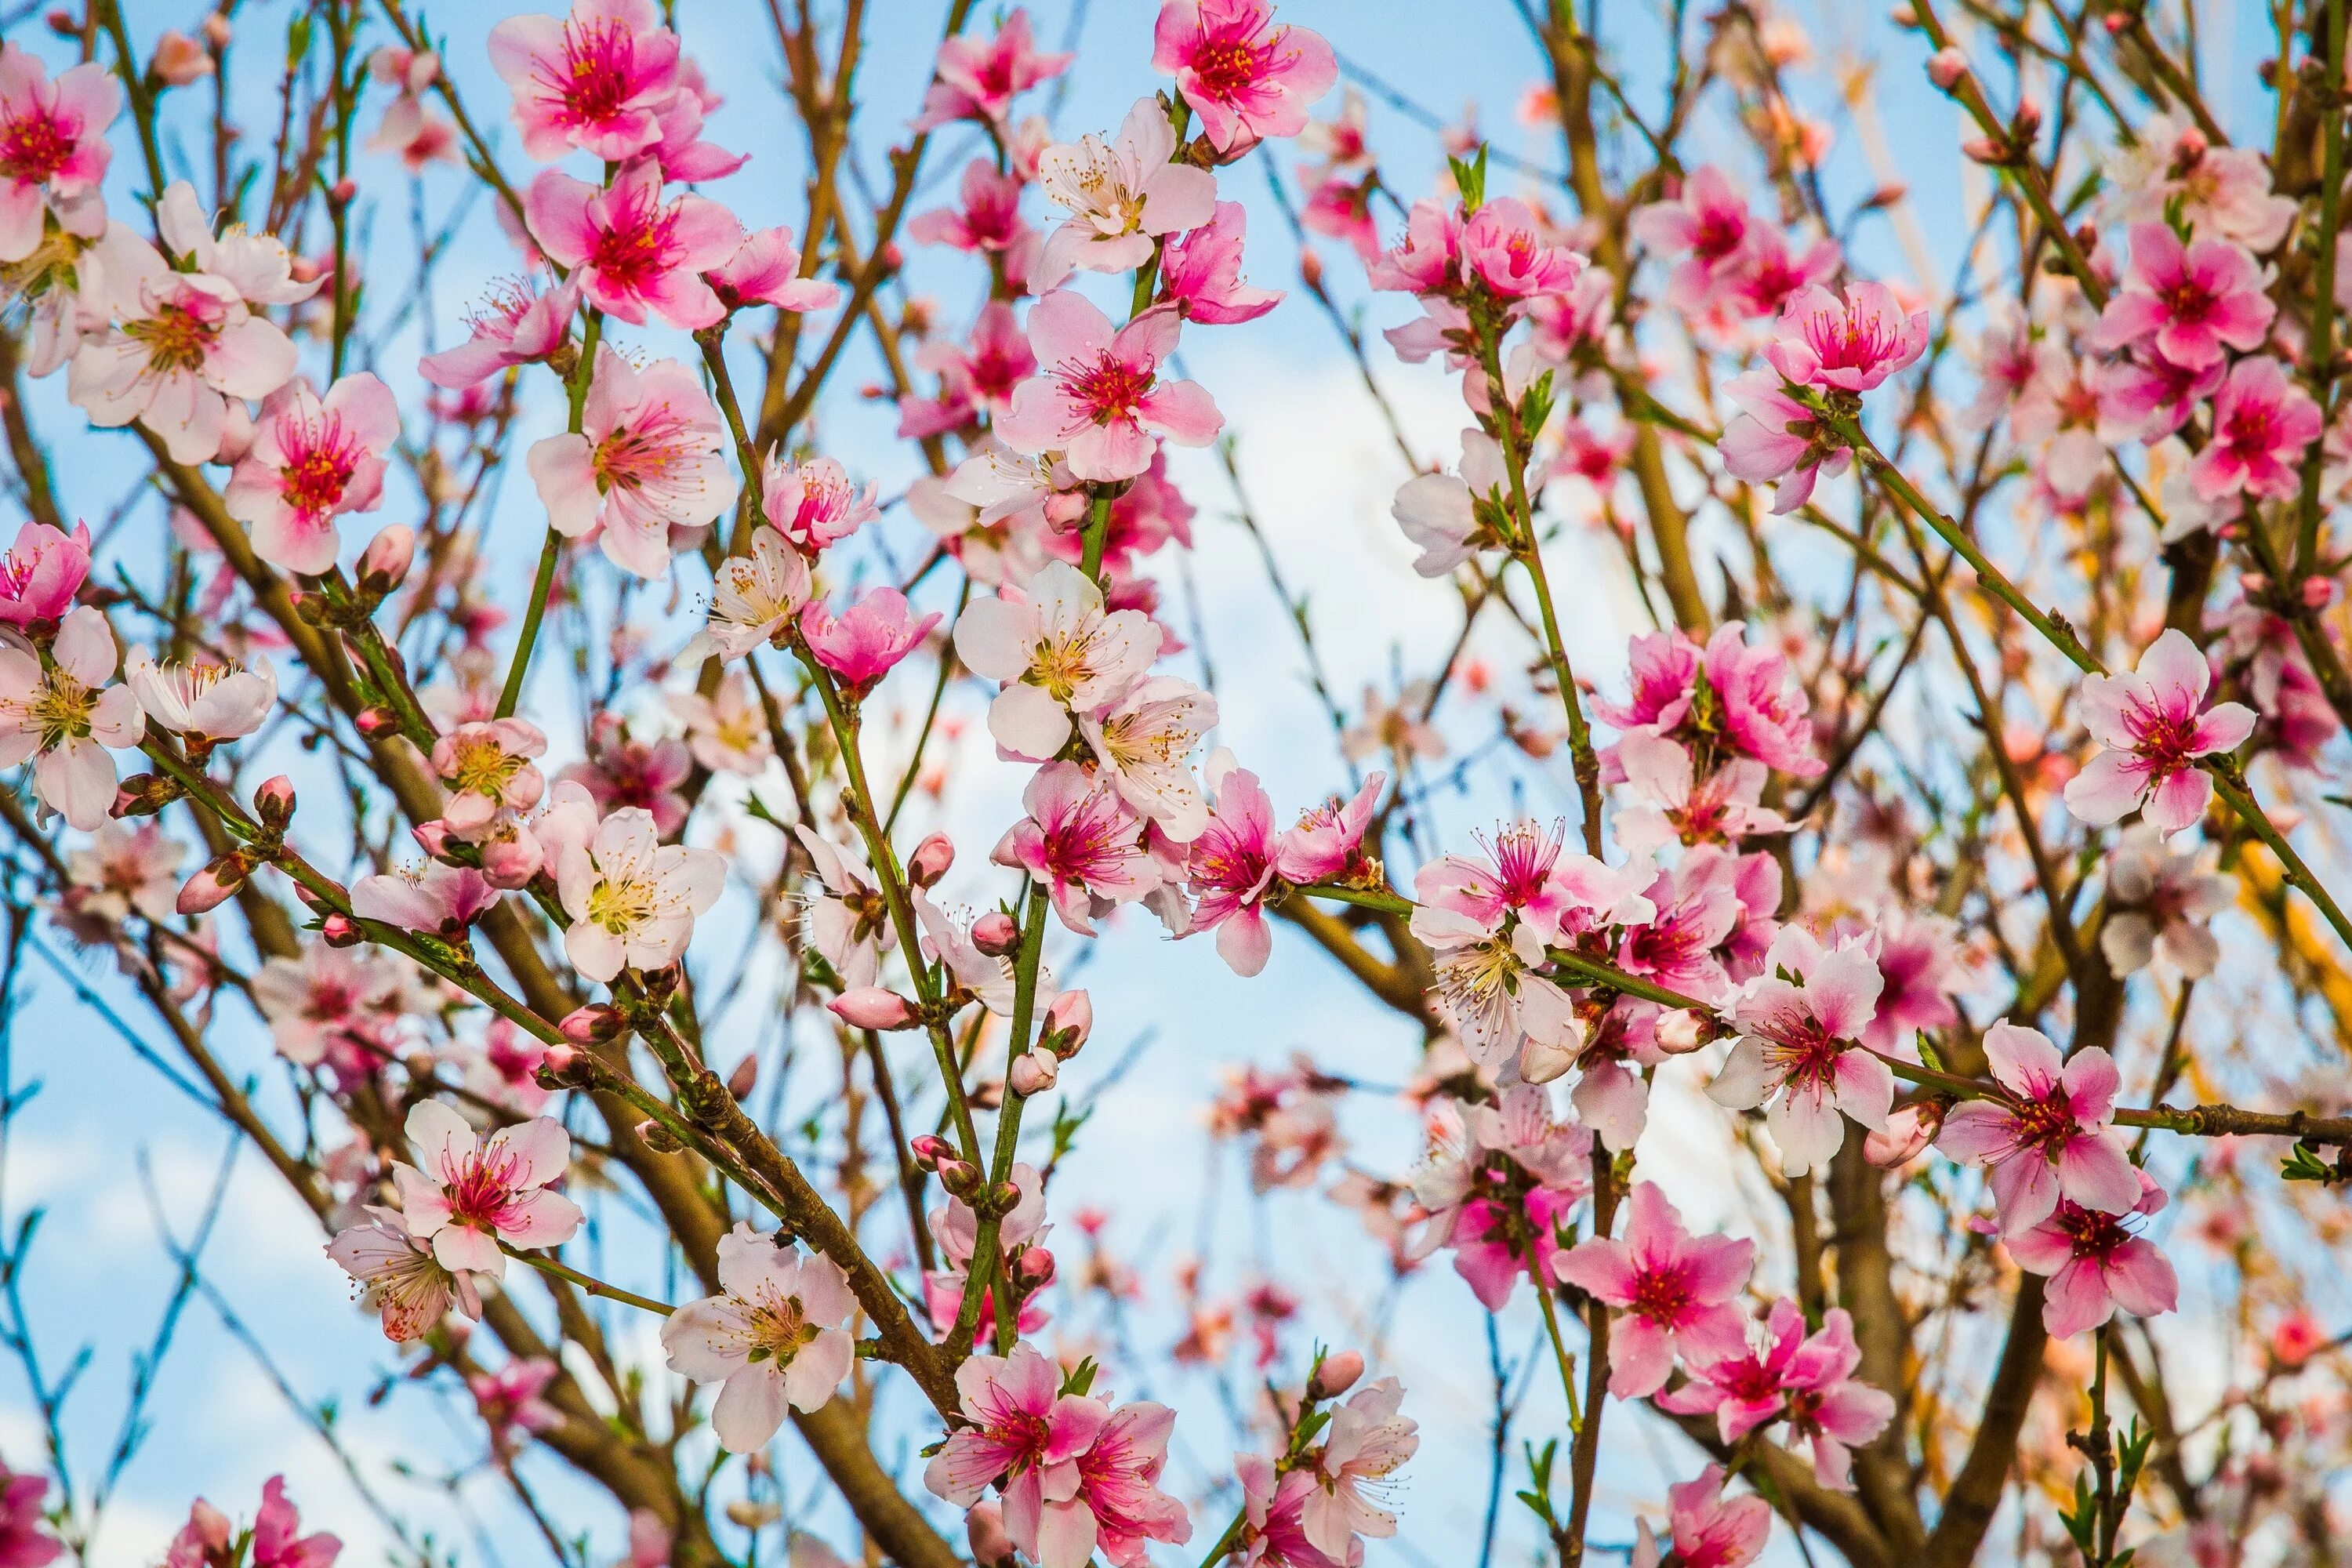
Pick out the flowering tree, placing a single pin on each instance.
(1823, 1010)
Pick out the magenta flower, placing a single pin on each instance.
(1777, 440)
(1810, 1382)
(510, 1404)
(1118, 1504)
(1503, 246)
(1797, 1048)
(1677, 807)
(650, 456)
(1426, 260)
(53, 150)
(1231, 868)
(2193, 301)
(813, 504)
(1200, 273)
(1524, 873)
(865, 641)
(1082, 841)
(1708, 1530)
(2049, 1138)
(1026, 1437)
(2155, 726)
(25, 1542)
(1100, 391)
(766, 270)
(979, 81)
(1327, 843)
(1761, 708)
(1850, 344)
(275, 1542)
(2148, 396)
(1705, 227)
(974, 380)
(1763, 276)
(473, 1193)
(1695, 911)
(44, 569)
(2262, 425)
(2096, 1264)
(1671, 1289)
(1247, 76)
(312, 459)
(1273, 1507)
(517, 325)
(1663, 669)
(631, 251)
(988, 219)
(595, 79)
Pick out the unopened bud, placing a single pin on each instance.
(983, 1527)
(591, 1026)
(1908, 1132)
(2254, 582)
(1904, 16)
(1002, 1198)
(215, 885)
(434, 837)
(995, 934)
(61, 22)
(1310, 269)
(1336, 1375)
(2029, 117)
(959, 1177)
(1032, 1072)
(144, 794)
(273, 801)
(2318, 593)
(511, 861)
(1983, 149)
(1681, 1032)
(376, 722)
(384, 565)
(341, 930)
(1033, 1269)
(217, 30)
(2115, 22)
(658, 1138)
(1946, 67)
(874, 1007)
(929, 1151)
(745, 1078)
(930, 860)
(1072, 1015)
(179, 60)
(554, 1062)
(1540, 1062)
(340, 193)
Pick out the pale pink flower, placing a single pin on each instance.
(865, 641)
(1777, 440)
(1798, 1048)
(400, 1280)
(766, 270)
(1503, 246)
(2049, 1138)
(849, 923)
(623, 771)
(2262, 425)
(1706, 228)
(67, 716)
(727, 730)
(1449, 518)
(1493, 1167)
(649, 457)
(594, 80)
(1426, 261)
(1057, 651)
(1099, 392)
(1201, 272)
(1024, 1437)
(2146, 395)
(1809, 1380)
(2194, 300)
(182, 345)
(412, 130)
(1525, 874)
(124, 870)
(2097, 1263)
(813, 504)
(1082, 841)
(24, 1540)
(53, 150)
(979, 81)
(488, 767)
(329, 1002)
(1708, 1530)
(631, 251)
(1145, 742)
(1122, 195)
(1230, 867)
(1850, 344)
(258, 266)
(517, 324)
(2153, 724)
(1246, 76)
(1763, 276)
(2169, 170)
(1722, 809)
(974, 380)
(511, 1405)
(443, 900)
(754, 599)
(312, 459)
(1670, 1288)
(473, 1192)
(2159, 903)
(1363, 1446)
(1488, 990)
(632, 898)
(772, 1338)
(44, 569)
(204, 701)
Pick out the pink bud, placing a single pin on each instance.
(1034, 1072)
(2029, 117)
(1310, 269)
(2253, 583)
(1981, 150)
(745, 1078)
(341, 930)
(874, 1007)
(556, 1060)
(217, 30)
(373, 722)
(384, 567)
(214, 885)
(274, 801)
(985, 1527)
(1908, 1131)
(340, 193)
(511, 861)
(1681, 1032)
(1904, 16)
(930, 1150)
(434, 837)
(959, 1177)
(1946, 67)
(179, 60)
(591, 1026)
(930, 860)
(995, 934)
(1072, 1011)
(1033, 1269)
(1337, 1375)
(2318, 593)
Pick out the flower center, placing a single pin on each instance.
(779, 1329)
(1228, 64)
(315, 480)
(33, 147)
(1109, 390)
(176, 338)
(1662, 1294)
(595, 81)
(480, 1189)
(619, 905)
(635, 250)
(483, 767)
(2189, 302)
(61, 707)
(2045, 1124)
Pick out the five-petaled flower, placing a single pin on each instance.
(2050, 1138)
(312, 459)
(772, 1338)
(2155, 725)
(1671, 1289)
(470, 1193)
(1799, 1022)
(1099, 396)
(66, 714)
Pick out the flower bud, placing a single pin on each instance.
(179, 60)
(434, 837)
(341, 930)
(1033, 1269)
(553, 1063)
(2115, 22)
(1336, 1375)
(1034, 1072)
(1983, 149)
(874, 1007)
(1682, 1031)
(1946, 67)
(1310, 269)
(745, 1078)
(959, 1177)
(929, 1151)
(2318, 593)
(215, 885)
(511, 861)
(1904, 16)
(144, 794)
(217, 30)
(374, 723)
(984, 1529)
(658, 1138)
(2255, 583)
(930, 860)
(273, 801)
(591, 1026)
(995, 934)
(1072, 1013)
(384, 567)
(1540, 1062)
(1908, 1132)
(61, 22)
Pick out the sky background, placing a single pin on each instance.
(107, 1150)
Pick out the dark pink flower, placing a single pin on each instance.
(1100, 393)
(1777, 440)
(25, 1542)
(2194, 300)
(44, 569)
(1670, 1288)
(988, 220)
(980, 81)
(595, 79)
(1810, 1382)
(631, 251)
(1118, 1504)
(1759, 707)
(1026, 1437)
(1705, 227)
(1327, 843)
(2262, 425)
(865, 641)
(1246, 76)
(1082, 841)
(1503, 247)
(1799, 1026)
(2097, 1263)
(1201, 272)
(312, 459)
(622, 772)
(2150, 394)
(766, 270)
(509, 1403)
(1425, 261)
(2155, 726)
(53, 150)
(1708, 1530)
(1231, 868)
(516, 326)
(2050, 1138)
(1851, 344)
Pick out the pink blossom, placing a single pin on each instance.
(1327, 843)
(2049, 1138)
(509, 1401)
(2155, 726)
(1671, 1289)
(1708, 1530)
(2158, 902)
(312, 459)
(813, 504)
(1273, 1533)
(1082, 841)
(441, 899)
(473, 1193)
(988, 219)
(1722, 809)
(754, 599)
(849, 925)
(53, 151)
(25, 1542)
(1498, 1180)
(1777, 440)
(1121, 196)
(2171, 171)
(1761, 708)
(1799, 1024)
(66, 715)
(2150, 395)
(182, 344)
(488, 767)
(1230, 869)
(1144, 741)
(1058, 652)
(1426, 261)
(1246, 76)
(1706, 227)
(622, 771)
(1201, 272)
(1921, 960)
(275, 1543)
(1363, 1446)
(1118, 1505)
(1809, 1380)
(1448, 518)
(1100, 391)
(772, 1338)
(1763, 278)
(979, 81)
(1524, 873)
(632, 900)
(1695, 911)
(1026, 1437)
(44, 569)
(1850, 344)
(595, 79)
(865, 641)
(649, 457)
(2097, 1263)
(2262, 425)
(329, 1004)
(517, 324)
(766, 270)
(976, 380)
(633, 252)
(2194, 300)
(1503, 246)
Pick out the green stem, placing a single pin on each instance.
(588, 1282)
(550, 550)
(2319, 357)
